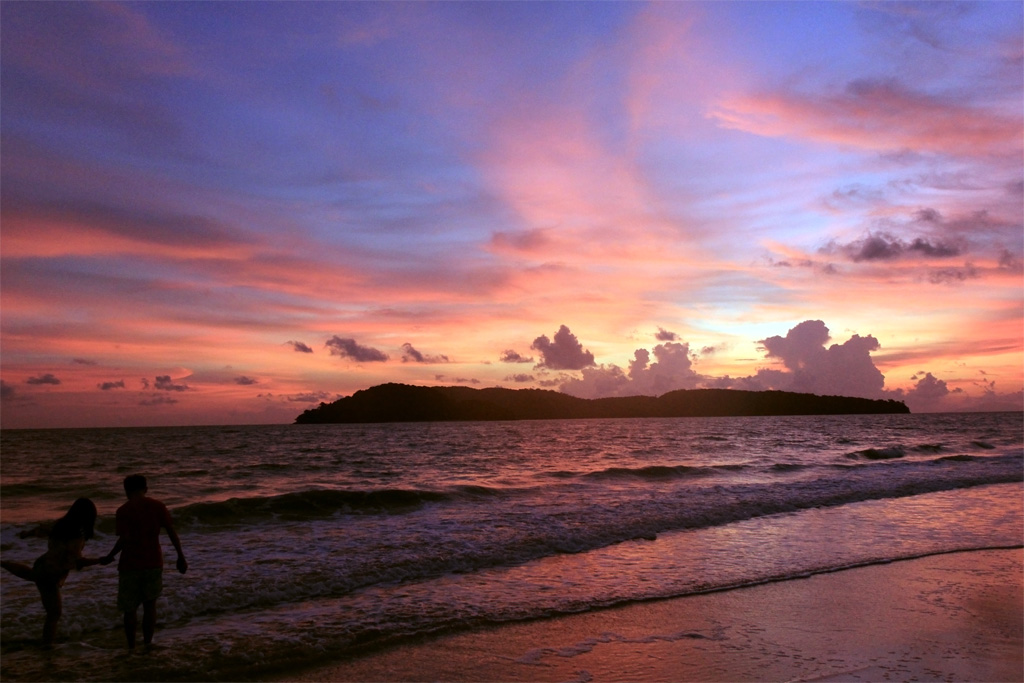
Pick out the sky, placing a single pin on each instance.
(227, 213)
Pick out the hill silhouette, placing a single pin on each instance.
(407, 403)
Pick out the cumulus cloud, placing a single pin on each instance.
(927, 393)
(48, 378)
(672, 369)
(6, 391)
(807, 366)
(411, 355)
(843, 369)
(107, 386)
(564, 353)
(520, 378)
(510, 356)
(348, 348)
(302, 348)
(165, 383)
(599, 382)
(245, 381)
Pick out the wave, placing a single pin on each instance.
(874, 473)
(653, 472)
(889, 453)
(303, 505)
(322, 503)
(899, 450)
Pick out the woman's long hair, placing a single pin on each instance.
(79, 521)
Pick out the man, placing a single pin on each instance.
(140, 570)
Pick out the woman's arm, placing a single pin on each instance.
(114, 551)
(84, 562)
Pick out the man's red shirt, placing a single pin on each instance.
(138, 524)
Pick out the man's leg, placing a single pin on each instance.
(130, 622)
(148, 621)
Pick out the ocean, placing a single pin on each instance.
(308, 543)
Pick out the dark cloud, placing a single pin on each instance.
(411, 355)
(107, 386)
(165, 383)
(1009, 261)
(457, 380)
(245, 381)
(348, 348)
(302, 348)
(6, 391)
(564, 353)
(874, 248)
(158, 401)
(309, 397)
(83, 361)
(48, 378)
(510, 356)
(945, 276)
(666, 336)
(886, 247)
(520, 378)
(936, 249)
(527, 241)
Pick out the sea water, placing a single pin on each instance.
(314, 542)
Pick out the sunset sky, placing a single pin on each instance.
(226, 213)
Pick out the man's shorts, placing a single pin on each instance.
(135, 586)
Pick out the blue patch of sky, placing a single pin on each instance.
(780, 41)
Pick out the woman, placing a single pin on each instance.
(64, 553)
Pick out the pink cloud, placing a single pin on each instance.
(875, 115)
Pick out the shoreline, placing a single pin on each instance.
(954, 616)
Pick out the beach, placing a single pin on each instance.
(949, 617)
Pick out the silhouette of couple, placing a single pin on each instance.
(140, 569)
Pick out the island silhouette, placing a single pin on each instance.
(407, 403)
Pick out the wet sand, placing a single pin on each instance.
(956, 617)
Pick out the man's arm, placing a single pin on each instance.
(176, 542)
(113, 551)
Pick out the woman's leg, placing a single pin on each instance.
(52, 603)
(19, 569)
